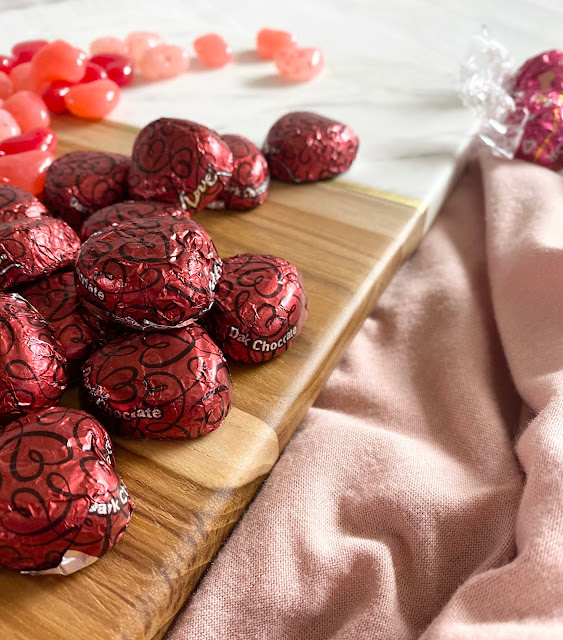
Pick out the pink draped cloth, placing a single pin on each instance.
(422, 495)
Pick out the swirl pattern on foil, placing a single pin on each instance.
(180, 162)
(163, 385)
(122, 212)
(306, 147)
(32, 365)
(81, 182)
(260, 307)
(34, 247)
(17, 204)
(59, 491)
(157, 273)
(250, 183)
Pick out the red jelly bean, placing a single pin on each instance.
(24, 51)
(26, 170)
(118, 68)
(41, 139)
(270, 41)
(54, 96)
(6, 86)
(28, 109)
(93, 72)
(58, 61)
(22, 78)
(212, 50)
(7, 63)
(93, 100)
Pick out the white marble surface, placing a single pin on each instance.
(391, 69)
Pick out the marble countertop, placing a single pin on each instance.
(391, 70)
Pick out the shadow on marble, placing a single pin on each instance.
(247, 56)
(271, 81)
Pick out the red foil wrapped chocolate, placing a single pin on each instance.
(162, 385)
(260, 307)
(180, 162)
(56, 300)
(543, 72)
(249, 185)
(17, 204)
(542, 140)
(305, 147)
(157, 273)
(32, 364)
(62, 503)
(81, 182)
(34, 247)
(121, 212)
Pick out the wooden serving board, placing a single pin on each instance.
(347, 242)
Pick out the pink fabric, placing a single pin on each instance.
(420, 497)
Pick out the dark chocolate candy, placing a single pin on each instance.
(162, 385)
(305, 147)
(62, 504)
(260, 307)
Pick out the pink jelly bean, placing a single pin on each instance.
(26, 170)
(108, 44)
(270, 41)
(8, 125)
(58, 61)
(42, 139)
(212, 50)
(299, 63)
(54, 96)
(164, 61)
(21, 77)
(118, 68)
(93, 100)
(93, 72)
(24, 51)
(138, 42)
(6, 86)
(29, 110)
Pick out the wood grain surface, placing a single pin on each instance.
(347, 242)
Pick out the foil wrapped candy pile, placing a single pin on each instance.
(519, 111)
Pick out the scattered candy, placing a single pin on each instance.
(300, 64)
(24, 51)
(305, 147)
(121, 212)
(249, 185)
(167, 385)
(93, 72)
(34, 247)
(42, 139)
(108, 44)
(28, 109)
(118, 68)
(6, 86)
(94, 100)
(260, 307)
(21, 77)
(7, 63)
(54, 96)
(32, 368)
(26, 170)
(58, 60)
(270, 41)
(62, 503)
(15, 204)
(164, 61)
(56, 300)
(138, 42)
(152, 274)
(8, 125)
(82, 182)
(181, 162)
(212, 50)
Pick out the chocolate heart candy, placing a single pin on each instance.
(16, 204)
